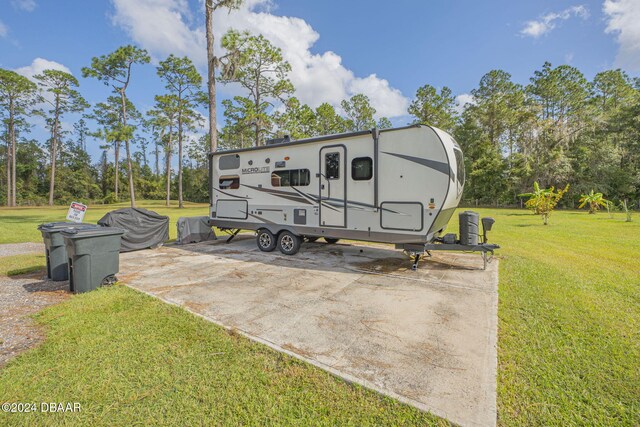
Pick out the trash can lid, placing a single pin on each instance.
(59, 226)
(97, 231)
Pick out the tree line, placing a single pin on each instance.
(559, 129)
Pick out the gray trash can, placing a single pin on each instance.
(94, 256)
(55, 252)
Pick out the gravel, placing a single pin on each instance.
(10, 249)
(20, 297)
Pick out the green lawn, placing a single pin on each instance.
(569, 319)
(569, 346)
(22, 264)
(20, 224)
(130, 359)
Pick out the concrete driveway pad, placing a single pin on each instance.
(426, 337)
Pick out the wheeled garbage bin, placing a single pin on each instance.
(55, 252)
(94, 256)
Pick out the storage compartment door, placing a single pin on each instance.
(232, 209)
(402, 216)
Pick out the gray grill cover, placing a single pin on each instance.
(194, 229)
(144, 228)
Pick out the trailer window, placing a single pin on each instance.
(291, 178)
(229, 182)
(231, 161)
(332, 165)
(361, 169)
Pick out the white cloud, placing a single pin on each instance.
(462, 100)
(4, 30)
(162, 27)
(26, 5)
(166, 26)
(548, 22)
(624, 20)
(38, 66)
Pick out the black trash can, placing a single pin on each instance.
(55, 252)
(94, 256)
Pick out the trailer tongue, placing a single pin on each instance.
(469, 241)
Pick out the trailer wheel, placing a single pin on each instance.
(289, 243)
(311, 239)
(330, 240)
(266, 240)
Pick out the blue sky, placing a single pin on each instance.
(337, 48)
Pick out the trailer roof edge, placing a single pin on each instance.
(312, 140)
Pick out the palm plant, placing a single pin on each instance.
(593, 200)
(543, 200)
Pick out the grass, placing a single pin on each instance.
(130, 359)
(569, 347)
(20, 224)
(569, 319)
(22, 264)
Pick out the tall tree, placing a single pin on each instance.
(506, 121)
(18, 95)
(562, 96)
(297, 120)
(212, 62)
(108, 115)
(260, 68)
(164, 117)
(433, 108)
(63, 98)
(82, 131)
(384, 123)
(610, 163)
(157, 133)
(238, 126)
(359, 112)
(329, 122)
(115, 70)
(183, 80)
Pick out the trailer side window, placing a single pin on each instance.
(291, 178)
(229, 182)
(361, 168)
(231, 161)
(332, 165)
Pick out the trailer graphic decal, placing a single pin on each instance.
(231, 195)
(266, 221)
(433, 164)
(310, 199)
(284, 194)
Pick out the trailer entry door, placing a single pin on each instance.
(333, 186)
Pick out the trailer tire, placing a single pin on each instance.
(330, 240)
(289, 243)
(266, 240)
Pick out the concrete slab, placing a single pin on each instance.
(427, 338)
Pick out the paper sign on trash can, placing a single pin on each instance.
(76, 212)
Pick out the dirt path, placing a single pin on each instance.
(21, 296)
(10, 249)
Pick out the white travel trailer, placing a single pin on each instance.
(394, 186)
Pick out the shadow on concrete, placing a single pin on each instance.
(369, 257)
